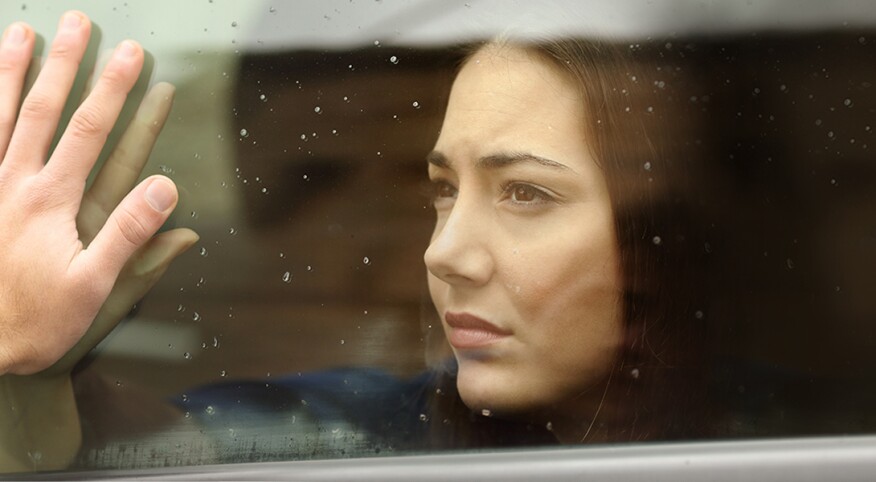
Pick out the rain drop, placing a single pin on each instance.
(244, 133)
(635, 373)
(222, 373)
(656, 240)
(365, 260)
(486, 412)
(317, 109)
(263, 98)
(233, 24)
(394, 59)
(416, 105)
(203, 252)
(196, 316)
(699, 315)
(215, 342)
(210, 410)
(287, 277)
(423, 417)
(187, 356)
(648, 166)
(847, 102)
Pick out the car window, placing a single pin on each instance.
(437, 227)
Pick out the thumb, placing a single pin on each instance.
(131, 224)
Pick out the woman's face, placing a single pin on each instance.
(523, 264)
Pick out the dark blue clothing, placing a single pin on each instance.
(339, 412)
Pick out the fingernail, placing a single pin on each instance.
(127, 49)
(161, 195)
(14, 35)
(71, 21)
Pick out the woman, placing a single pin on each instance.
(558, 234)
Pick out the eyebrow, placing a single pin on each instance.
(498, 160)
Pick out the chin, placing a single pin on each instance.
(482, 389)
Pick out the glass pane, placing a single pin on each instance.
(641, 222)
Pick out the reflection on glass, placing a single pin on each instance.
(414, 242)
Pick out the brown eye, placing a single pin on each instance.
(525, 194)
(445, 190)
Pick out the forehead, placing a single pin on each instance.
(509, 98)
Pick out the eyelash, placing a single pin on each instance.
(437, 191)
(540, 195)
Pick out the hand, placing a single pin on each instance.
(62, 253)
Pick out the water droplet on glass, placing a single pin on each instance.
(650, 109)
(210, 410)
(232, 231)
(233, 24)
(634, 373)
(263, 98)
(187, 356)
(215, 342)
(393, 59)
(790, 263)
(416, 105)
(656, 240)
(196, 316)
(272, 10)
(118, 383)
(423, 417)
(309, 268)
(185, 397)
(188, 415)
(847, 102)
(365, 260)
(244, 133)
(222, 373)
(165, 169)
(486, 412)
(647, 166)
(203, 251)
(342, 342)
(549, 426)
(287, 277)
(180, 308)
(699, 315)
(317, 109)
(377, 43)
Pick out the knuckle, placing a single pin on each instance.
(114, 79)
(38, 106)
(61, 50)
(132, 227)
(87, 123)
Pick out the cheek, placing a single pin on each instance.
(568, 288)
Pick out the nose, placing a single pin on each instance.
(459, 253)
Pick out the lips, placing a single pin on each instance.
(469, 331)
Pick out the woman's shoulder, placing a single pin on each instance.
(337, 412)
